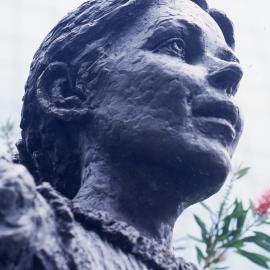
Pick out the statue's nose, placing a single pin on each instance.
(226, 79)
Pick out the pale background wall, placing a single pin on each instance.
(24, 23)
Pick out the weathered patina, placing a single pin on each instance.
(127, 120)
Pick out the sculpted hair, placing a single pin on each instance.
(48, 148)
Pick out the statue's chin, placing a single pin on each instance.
(205, 175)
(198, 165)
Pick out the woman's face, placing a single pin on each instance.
(167, 96)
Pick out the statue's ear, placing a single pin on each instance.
(58, 96)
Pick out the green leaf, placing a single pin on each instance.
(225, 228)
(241, 219)
(238, 210)
(239, 216)
(263, 245)
(202, 226)
(205, 206)
(263, 236)
(255, 258)
(195, 238)
(237, 244)
(260, 239)
(242, 172)
(200, 255)
(234, 244)
(250, 239)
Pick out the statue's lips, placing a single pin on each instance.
(219, 114)
(217, 109)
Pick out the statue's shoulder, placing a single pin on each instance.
(41, 229)
(17, 189)
(38, 230)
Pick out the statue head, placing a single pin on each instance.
(146, 82)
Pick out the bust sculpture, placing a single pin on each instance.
(127, 120)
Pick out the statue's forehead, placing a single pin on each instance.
(185, 10)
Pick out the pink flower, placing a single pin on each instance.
(263, 203)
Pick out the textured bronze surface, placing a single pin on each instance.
(128, 116)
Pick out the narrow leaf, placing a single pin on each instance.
(259, 241)
(242, 172)
(205, 206)
(202, 227)
(234, 244)
(255, 258)
(241, 218)
(226, 224)
(263, 236)
(200, 255)
(195, 238)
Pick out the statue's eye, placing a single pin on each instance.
(173, 47)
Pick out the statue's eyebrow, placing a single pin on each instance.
(189, 33)
(164, 30)
(177, 25)
(167, 28)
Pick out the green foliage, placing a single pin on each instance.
(241, 173)
(7, 136)
(231, 230)
(256, 258)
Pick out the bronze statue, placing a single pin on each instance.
(127, 120)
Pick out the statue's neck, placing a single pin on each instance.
(140, 195)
